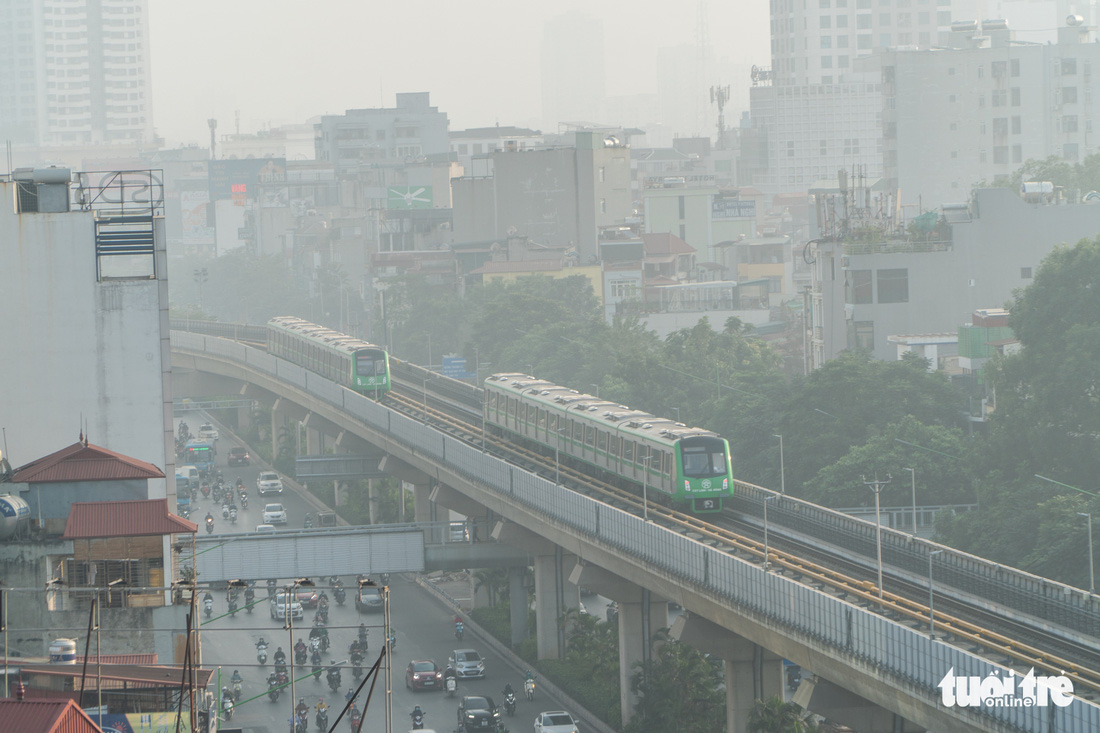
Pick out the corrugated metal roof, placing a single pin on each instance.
(45, 716)
(83, 461)
(665, 243)
(150, 658)
(138, 518)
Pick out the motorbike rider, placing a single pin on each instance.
(449, 673)
(300, 649)
(333, 673)
(236, 678)
(417, 715)
(301, 709)
(363, 635)
(315, 660)
(249, 595)
(321, 706)
(280, 656)
(209, 518)
(508, 690)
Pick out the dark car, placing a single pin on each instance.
(477, 713)
(423, 674)
(238, 457)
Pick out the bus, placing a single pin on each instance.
(200, 454)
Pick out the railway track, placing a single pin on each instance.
(1002, 640)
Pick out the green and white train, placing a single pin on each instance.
(344, 359)
(687, 465)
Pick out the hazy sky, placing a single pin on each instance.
(283, 61)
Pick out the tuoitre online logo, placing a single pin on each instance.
(1010, 691)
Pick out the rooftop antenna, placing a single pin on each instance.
(213, 123)
(720, 95)
(237, 113)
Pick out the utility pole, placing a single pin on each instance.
(876, 486)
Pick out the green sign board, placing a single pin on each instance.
(409, 197)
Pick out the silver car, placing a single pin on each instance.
(468, 664)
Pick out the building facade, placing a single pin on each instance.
(75, 72)
(411, 129)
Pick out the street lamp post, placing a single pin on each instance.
(288, 618)
(931, 607)
(876, 486)
(767, 499)
(913, 473)
(1092, 575)
(782, 473)
(645, 487)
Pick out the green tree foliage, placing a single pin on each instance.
(940, 468)
(678, 689)
(1047, 422)
(589, 671)
(775, 716)
(848, 401)
(1083, 176)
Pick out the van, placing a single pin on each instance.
(192, 475)
(183, 484)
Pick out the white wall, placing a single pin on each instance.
(77, 349)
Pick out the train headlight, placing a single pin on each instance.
(725, 484)
(687, 485)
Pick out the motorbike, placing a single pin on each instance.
(249, 597)
(236, 692)
(273, 691)
(225, 511)
(280, 669)
(322, 720)
(451, 685)
(207, 607)
(356, 718)
(385, 578)
(233, 514)
(315, 644)
(309, 521)
(334, 680)
(261, 654)
(232, 606)
(417, 719)
(209, 525)
(281, 678)
(227, 708)
(316, 671)
(363, 637)
(244, 500)
(529, 688)
(205, 490)
(339, 594)
(300, 655)
(393, 640)
(357, 666)
(510, 702)
(216, 493)
(321, 615)
(301, 724)
(460, 629)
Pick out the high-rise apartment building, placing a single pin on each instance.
(74, 72)
(404, 133)
(815, 41)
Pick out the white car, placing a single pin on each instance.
(208, 432)
(268, 482)
(555, 721)
(468, 664)
(274, 514)
(278, 606)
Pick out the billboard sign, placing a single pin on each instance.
(455, 368)
(409, 197)
(724, 208)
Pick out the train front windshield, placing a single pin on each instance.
(370, 363)
(703, 457)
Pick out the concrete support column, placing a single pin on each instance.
(422, 500)
(244, 419)
(639, 620)
(546, 606)
(752, 672)
(517, 597)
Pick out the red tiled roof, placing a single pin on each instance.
(153, 676)
(517, 266)
(139, 518)
(45, 716)
(150, 658)
(84, 462)
(666, 244)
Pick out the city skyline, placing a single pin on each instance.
(496, 79)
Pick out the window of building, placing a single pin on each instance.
(857, 287)
(1069, 67)
(681, 199)
(861, 335)
(623, 289)
(790, 148)
(842, 41)
(851, 146)
(842, 62)
(1069, 152)
(826, 62)
(981, 100)
(893, 285)
(863, 21)
(826, 22)
(824, 147)
(884, 40)
(683, 232)
(981, 156)
(603, 206)
(603, 174)
(826, 41)
(1069, 95)
(884, 20)
(478, 148)
(981, 128)
(1016, 125)
(1014, 67)
(841, 22)
(1025, 273)
(863, 41)
(1000, 97)
(1000, 125)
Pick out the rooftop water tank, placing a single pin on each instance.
(14, 513)
(62, 651)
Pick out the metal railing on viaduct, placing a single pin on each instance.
(886, 662)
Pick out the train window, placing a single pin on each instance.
(578, 431)
(589, 436)
(628, 450)
(553, 422)
(601, 440)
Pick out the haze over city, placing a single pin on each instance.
(283, 61)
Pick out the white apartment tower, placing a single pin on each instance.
(815, 41)
(74, 72)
